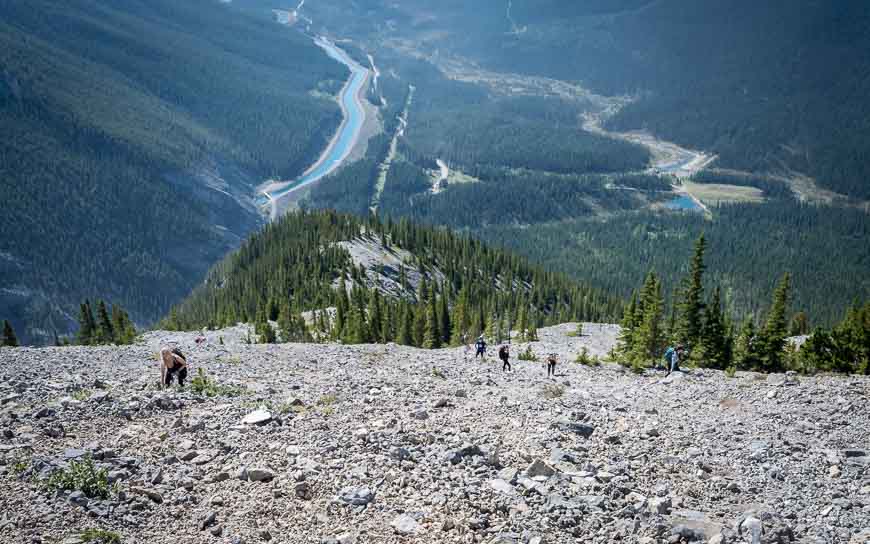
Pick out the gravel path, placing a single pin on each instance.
(392, 444)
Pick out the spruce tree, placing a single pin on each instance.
(773, 335)
(648, 340)
(444, 317)
(625, 340)
(461, 319)
(9, 339)
(532, 334)
(493, 326)
(87, 327)
(800, 324)
(746, 346)
(375, 316)
(711, 351)
(405, 335)
(522, 322)
(431, 334)
(105, 331)
(691, 307)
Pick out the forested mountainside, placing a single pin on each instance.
(765, 85)
(133, 134)
(499, 144)
(388, 281)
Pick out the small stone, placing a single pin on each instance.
(835, 472)
(660, 505)
(501, 486)
(208, 521)
(420, 414)
(303, 491)
(442, 403)
(218, 530)
(405, 525)
(257, 417)
(260, 474)
(539, 468)
(356, 496)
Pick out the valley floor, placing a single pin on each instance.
(394, 444)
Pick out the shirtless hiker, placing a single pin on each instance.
(172, 362)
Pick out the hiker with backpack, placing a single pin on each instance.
(481, 348)
(504, 355)
(172, 363)
(672, 358)
(551, 365)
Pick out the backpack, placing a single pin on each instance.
(669, 354)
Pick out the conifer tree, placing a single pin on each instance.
(375, 316)
(105, 332)
(647, 338)
(625, 341)
(405, 335)
(772, 338)
(461, 320)
(9, 339)
(691, 307)
(431, 334)
(493, 325)
(746, 346)
(87, 326)
(800, 324)
(387, 323)
(711, 351)
(522, 322)
(532, 334)
(444, 317)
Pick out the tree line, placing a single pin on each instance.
(700, 324)
(107, 326)
(448, 287)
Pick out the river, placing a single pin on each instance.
(348, 133)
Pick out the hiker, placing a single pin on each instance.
(551, 365)
(481, 348)
(504, 355)
(172, 362)
(672, 358)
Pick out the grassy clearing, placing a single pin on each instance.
(714, 193)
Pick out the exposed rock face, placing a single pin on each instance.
(352, 444)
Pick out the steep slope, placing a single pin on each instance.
(396, 275)
(133, 134)
(367, 444)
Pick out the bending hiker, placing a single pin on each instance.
(672, 358)
(481, 348)
(504, 355)
(551, 365)
(172, 362)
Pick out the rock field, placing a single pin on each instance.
(358, 444)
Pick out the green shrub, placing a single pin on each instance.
(584, 358)
(436, 373)
(81, 476)
(731, 371)
(82, 394)
(528, 355)
(19, 466)
(100, 536)
(201, 384)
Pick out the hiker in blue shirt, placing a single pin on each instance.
(672, 358)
